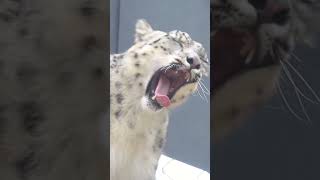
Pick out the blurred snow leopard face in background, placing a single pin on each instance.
(251, 44)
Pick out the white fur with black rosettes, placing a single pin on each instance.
(138, 130)
(52, 80)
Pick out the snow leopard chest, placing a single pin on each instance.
(137, 136)
(136, 144)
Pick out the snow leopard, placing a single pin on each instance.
(157, 73)
(53, 81)
(251, 44)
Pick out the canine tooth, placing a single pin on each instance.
(249, 57)
(153, 98)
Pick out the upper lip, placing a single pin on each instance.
(236, 52)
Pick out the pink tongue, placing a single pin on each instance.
(162, 92)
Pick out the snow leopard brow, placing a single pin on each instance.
(168, 37)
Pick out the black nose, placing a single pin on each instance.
(190, 60)
(194, 63)
(270, 11)
(281, 17)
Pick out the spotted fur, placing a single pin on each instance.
(52, 55)
(138, 128)
(277, 26)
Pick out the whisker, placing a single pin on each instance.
(303, 107)
(296, 57)
(288, 75)
(204, 86)
(305, 82)
(283, 97)
(301, 77)
(200, 94)
(204, 95)
(297, 92)
(202, 81)
(287, 72)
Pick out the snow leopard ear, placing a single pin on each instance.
(142, 29)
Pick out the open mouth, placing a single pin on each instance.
(166, 82)
(236, 52)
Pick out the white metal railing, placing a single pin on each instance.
(171, 169)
